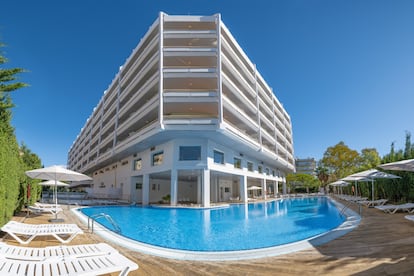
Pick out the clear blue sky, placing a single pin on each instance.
(344, 70)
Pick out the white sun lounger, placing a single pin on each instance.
(409, 217)
(377, 202)
(18, 230)
(43, 253)
(68, 266)
(45, 205)
(392, 209)
(37, 209)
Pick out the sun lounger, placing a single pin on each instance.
(53, 210)
(41, 254)
(392, 209)
(234, 198)
(352, 198)
(370, 203)
(68, 265)
(19, 230)
(409, 217)
(45, 205)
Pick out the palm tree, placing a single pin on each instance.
(323, 174)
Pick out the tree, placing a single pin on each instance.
(322, 174)
(302, 180)
(408, 147)
(8, 77)
(369, 159)
(10, 163)
(340, 160)
(30, 161)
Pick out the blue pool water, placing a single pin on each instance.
(238, 227)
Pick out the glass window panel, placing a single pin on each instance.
(190, 153)
(250, 166)
(157, 158)
(218, 157)
(237, 163)
(137, 164)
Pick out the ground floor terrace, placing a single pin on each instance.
(194, 186)
(383, 244)
(194, 170)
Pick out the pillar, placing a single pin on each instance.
(199, 188)
(264, 188)
(243, 188)
(145, 189)
(206, 188)
(276, 188)
(174, 187)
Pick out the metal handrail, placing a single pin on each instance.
(348, 205)
(107, 217)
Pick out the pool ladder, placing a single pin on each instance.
(348, 205)
(107, 217)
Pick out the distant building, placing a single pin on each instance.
(188, 118)
(305, 166)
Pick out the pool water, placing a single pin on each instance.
(237, 227)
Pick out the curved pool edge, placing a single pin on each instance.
(351, 222)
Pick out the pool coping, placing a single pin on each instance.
(352, 221)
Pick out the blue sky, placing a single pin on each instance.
(344, 70)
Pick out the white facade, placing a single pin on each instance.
(187, 116)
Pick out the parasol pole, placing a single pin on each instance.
(56, 201)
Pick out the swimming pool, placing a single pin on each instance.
(238, 227)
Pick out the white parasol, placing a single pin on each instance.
(57, 173)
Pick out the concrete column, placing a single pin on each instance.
(276, 188)
(206, 188)
(199, 188)
(145, 189)
(132, 190)
(174, 187)
(284, 187)
(264, 188)
(243, 188)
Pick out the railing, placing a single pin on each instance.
(93, 218)
(348, 205)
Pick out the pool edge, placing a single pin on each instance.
(351, 222)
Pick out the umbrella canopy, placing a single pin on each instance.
(254, 188)
(339, 183)
(404, 165)
(371, 175)
(56, 173)
(53, 183)
(355, 179)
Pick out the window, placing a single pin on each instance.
(273, 173)
(250, 166)
(190, 153)
(267, 171)
(218, 157)
(157, 158)
(260, 169)
(138, 186)
(237, 163)
(137, 164)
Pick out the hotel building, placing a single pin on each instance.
(188, 118)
